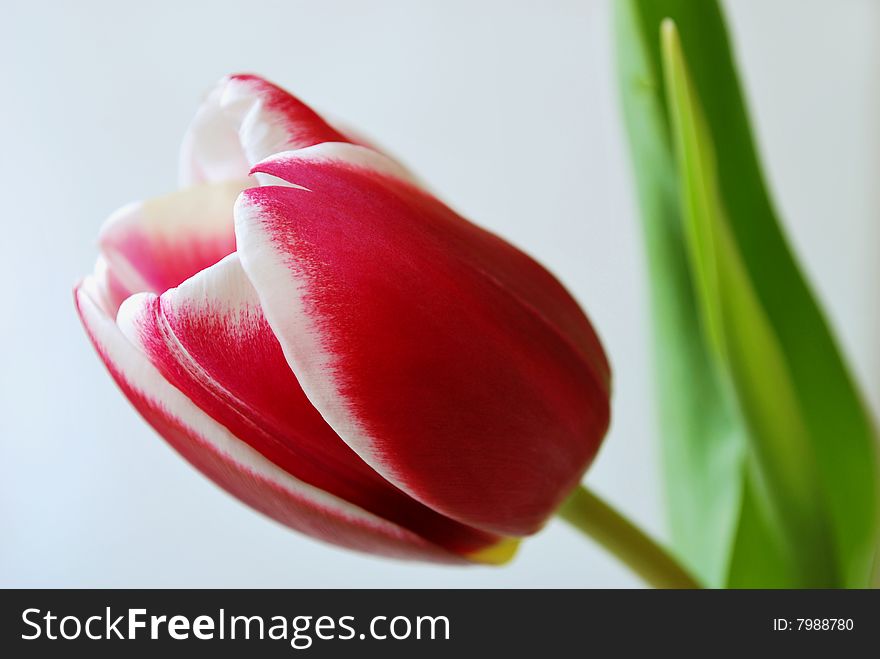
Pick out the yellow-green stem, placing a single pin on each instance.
(596, 519)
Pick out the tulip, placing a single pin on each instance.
(331, 344)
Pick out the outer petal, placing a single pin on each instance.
(233, 464)
(208, 337)
(154, 245)
(243, 120)
(451, 362)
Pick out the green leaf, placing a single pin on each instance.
(703, 447)
(808, 469)
(744, 341)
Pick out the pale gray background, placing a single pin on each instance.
(507, 108)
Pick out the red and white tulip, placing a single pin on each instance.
(337, 348)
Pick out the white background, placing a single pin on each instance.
(508, 109)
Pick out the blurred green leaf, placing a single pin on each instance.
(703, 448)
(818, 407)
(745, 342)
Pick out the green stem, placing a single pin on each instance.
(596, 519)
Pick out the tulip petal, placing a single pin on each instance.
(208, 338)
(156, 244)
(111, 292)
(452, 363)
(230, 462)
(243, 120)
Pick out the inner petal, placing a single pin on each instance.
(154, 245)
(243, 120)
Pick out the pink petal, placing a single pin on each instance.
(452, 363)
(243, 120)
(232, 463)
(154, 245)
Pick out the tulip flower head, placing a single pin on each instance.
(331, 344)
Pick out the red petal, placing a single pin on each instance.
(154, 245)
(451, 362)
(208, 338)
(231, 463)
